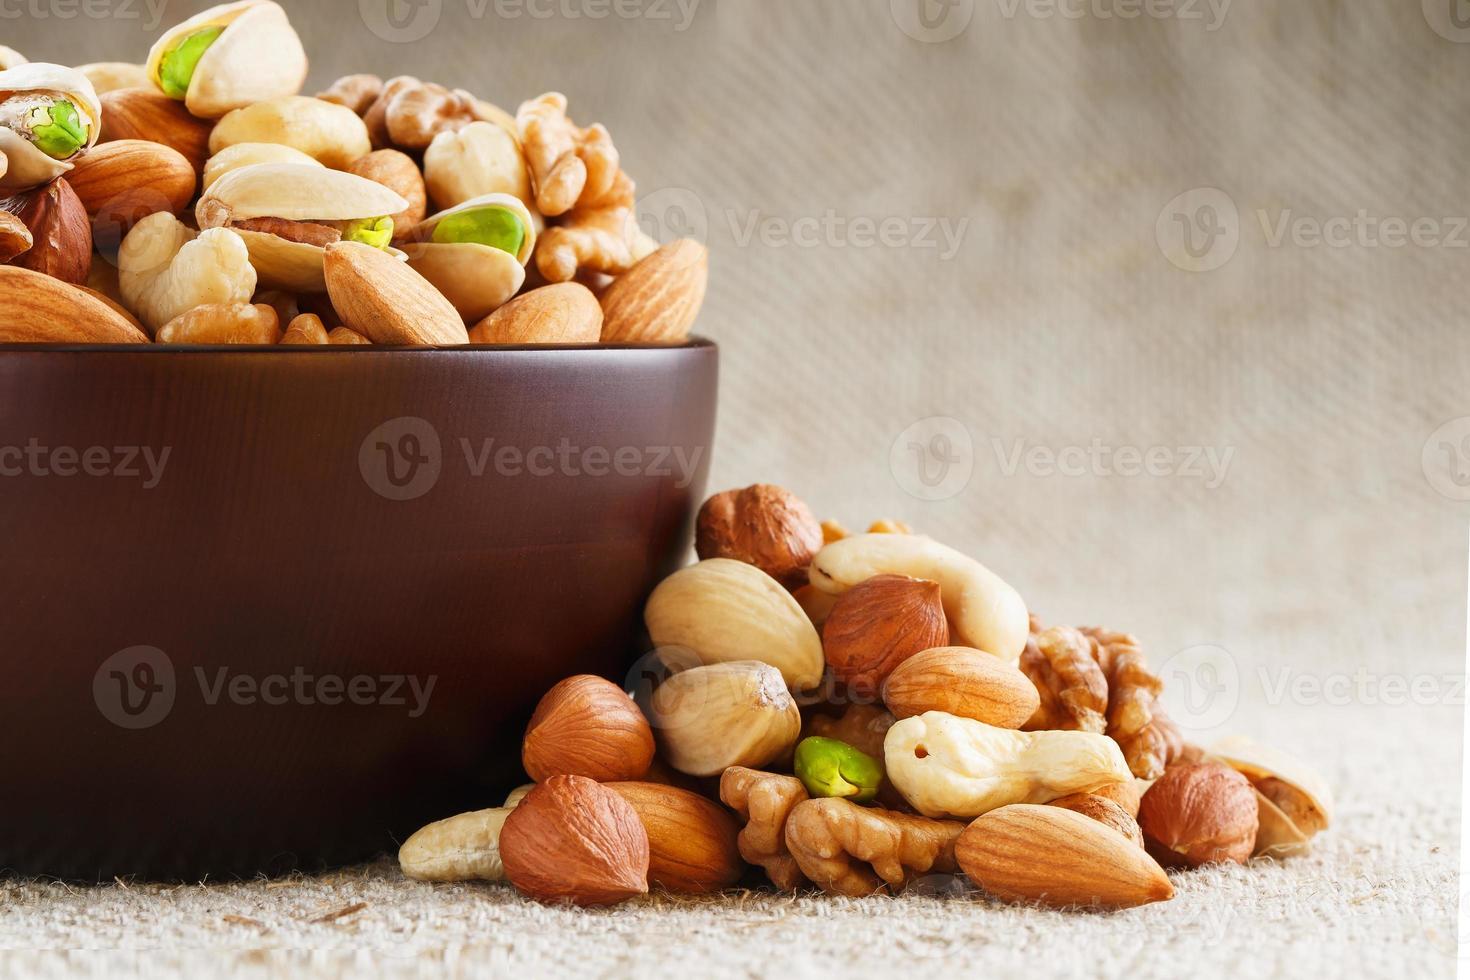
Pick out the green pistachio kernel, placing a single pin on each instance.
(58, 131)
(497, 227)
(176, 70)
(377, 232)
(828, 767)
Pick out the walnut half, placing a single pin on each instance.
(765, 800)
(856, 851)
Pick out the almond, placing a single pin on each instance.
(765, 526)
(122, 182)
(43, 310)
(386, 301)
(587, 726)
(574, 840)
(1058, 858)
(961, 681)
(60, 231)
(880, 623)
(564, 313)
(658, 300)
(147, 114)
(692, 843)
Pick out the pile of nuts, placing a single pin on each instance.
(870, 709)
(199, 198)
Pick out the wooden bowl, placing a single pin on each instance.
(269, 609)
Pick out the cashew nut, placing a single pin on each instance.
(480, 159)
(723, 610)
(331, 133)
(947, 766)
(165, 270)
(983, 610)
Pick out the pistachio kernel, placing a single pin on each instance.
(829, 768)
(496, 227)
(377, 232)
(57, 130)
(176, 70)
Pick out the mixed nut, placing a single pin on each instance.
(199, 198)
(870, 709)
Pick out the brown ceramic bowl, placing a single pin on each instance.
(230, 578)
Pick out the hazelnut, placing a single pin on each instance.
(574, 840)
(1199, 813)
(587, 726)
(765, 526)
(61, 233)
(880, 623)
(1105, 811)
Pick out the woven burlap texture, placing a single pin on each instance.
(1032, 288)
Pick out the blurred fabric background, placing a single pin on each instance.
(1156, 308)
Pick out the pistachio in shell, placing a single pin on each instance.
(1294, 800)
(228, 57)
(49, 115)
(475, 253)
(288, 213)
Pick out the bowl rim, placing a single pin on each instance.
(317, 350)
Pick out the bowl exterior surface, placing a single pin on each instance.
(266, 610)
